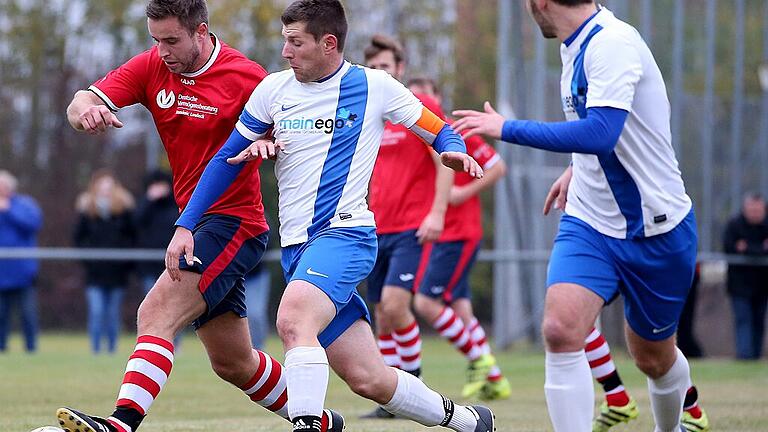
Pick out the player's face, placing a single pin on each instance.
(179, 50)
(542, 20)
(425, 90)
(385, 61)
(304, 53)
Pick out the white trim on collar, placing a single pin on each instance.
(211, 60)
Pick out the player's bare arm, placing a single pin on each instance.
(433, 224)
(88, 113)
(558, 193)
(488, 123)
(460, 194)
(182, 244)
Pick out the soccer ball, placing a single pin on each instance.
(48, 429)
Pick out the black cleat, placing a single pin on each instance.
(334, 421)
(378, 413)
(74, 421)
(486, 421)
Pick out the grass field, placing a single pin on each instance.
(65, 373)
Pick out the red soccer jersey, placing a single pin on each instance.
(194, 114)
(403, 180)
(462, 222)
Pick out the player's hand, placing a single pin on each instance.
(489, 123)
(263, 148)
(558, 193)
(97, 119)
(182, 243)
(459, 161)
(459, 195)
(431, 227)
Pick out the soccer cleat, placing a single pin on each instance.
(75, 421)
(496, 390)
(610, 416)
(486, 420)
(691, 424)
(378, 413)
(477, 372)
(332, 421)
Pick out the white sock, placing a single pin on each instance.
(415, 401)
(569, 391)
(306, 372)
(667, 394)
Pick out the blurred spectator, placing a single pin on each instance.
(686, 340)
(20, 220)
(156, 215)
(747, 234)
(106, 221)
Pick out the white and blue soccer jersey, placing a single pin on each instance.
(636, 190)
(331, 131)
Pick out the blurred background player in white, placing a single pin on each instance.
(409, 202)
(443, 294)
(189, 61)
(328, 116)
(628, 226)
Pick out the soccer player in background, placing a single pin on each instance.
(195, 86)
(628, 226)
(409, 202)
(328, 118)
(443, 296)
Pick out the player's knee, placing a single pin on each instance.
(366, 384)
(427, 308)
(394, 311)
(288, 329)
(654, 366)
(560, 335)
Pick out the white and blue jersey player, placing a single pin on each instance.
(327, 117)
(628, 226)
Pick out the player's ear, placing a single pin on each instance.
(329, 43)
(201, 31)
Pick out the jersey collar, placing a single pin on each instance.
(579, 30)
(211, 59)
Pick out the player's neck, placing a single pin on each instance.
(333, 66)
(205, 53)
(571, 21)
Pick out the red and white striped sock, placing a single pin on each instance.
(267, 387)
(451, 327)
(388, 350)
(603, 370)
(147, 371)
(409, 348)
(480, 339)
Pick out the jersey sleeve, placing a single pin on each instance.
(400, 105)
(125, 85)
(613, 68)
(256, 118)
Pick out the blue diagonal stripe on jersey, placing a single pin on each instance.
(623, 186)
(253, 124)
(353, 97)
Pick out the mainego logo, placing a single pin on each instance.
(344, 118)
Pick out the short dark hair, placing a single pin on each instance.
(191, 13)
(573, 2)
(380, 43)
(322, 17)
(424, 81)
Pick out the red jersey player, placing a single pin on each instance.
(195, 87)
(444, 296)
(409, 202)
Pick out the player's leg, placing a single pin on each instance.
(656, 274)
(407, 260)
(353, 356)
(168, 307)
(618, 406)
(581, 278)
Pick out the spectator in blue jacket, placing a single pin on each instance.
(20, 220)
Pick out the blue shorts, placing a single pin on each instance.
(228, 248)
(397, 263)
(447, 274)
(654, 274)
(335, 260)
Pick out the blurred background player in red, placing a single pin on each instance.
(444, 295)
(409, 202)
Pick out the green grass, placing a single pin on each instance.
(65, 373)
